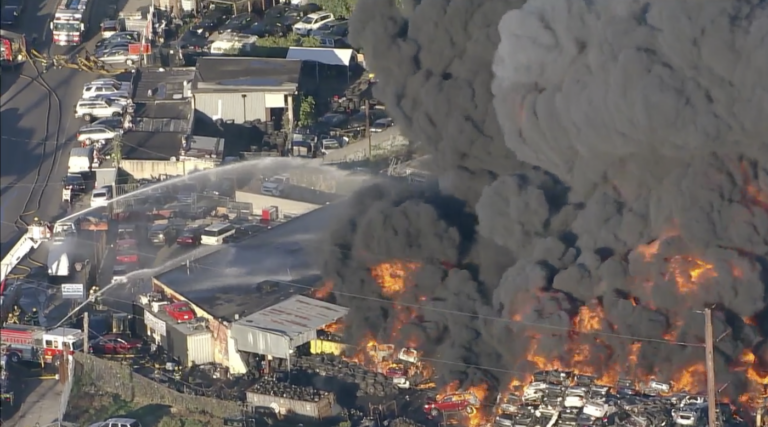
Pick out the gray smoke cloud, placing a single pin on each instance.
(591, 154)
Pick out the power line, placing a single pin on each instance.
(471, 315)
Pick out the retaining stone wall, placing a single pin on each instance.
(118, 378)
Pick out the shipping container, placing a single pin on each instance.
(190, 346)
(331, 347)
(321, 409)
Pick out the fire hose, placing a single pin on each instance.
(86, 63)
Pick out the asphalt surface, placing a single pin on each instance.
(38, 128)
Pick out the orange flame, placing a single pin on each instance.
(333, 328)
(323, 291)
(589, 319)
(391, 276)
(688, 272)
(650, 250)
(753, 194)
(692, 379)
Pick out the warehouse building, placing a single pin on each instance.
(277, 330)
(241, 90)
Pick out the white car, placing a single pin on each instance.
(98, 108)
(96, 90)
(101, 197)
(116, 85)
(92, 133)
(117, 422)
(312, 22)
(575, 397)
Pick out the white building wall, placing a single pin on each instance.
(285, 206)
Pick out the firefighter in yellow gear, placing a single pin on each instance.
(15, 315)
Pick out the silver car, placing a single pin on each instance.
(118, 55)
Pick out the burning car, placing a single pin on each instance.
(180, 311)
(453, 402)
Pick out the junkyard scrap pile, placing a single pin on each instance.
(562, 398)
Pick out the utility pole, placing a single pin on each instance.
(710, 354)
(86, 329)
(368, 128)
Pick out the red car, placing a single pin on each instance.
(180, 312)
(115, 344)
(126, 252)
(454, 402)
(190, 237)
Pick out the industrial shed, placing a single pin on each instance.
(245, 89)
(277, 330)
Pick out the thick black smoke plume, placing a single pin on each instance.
(617, 147)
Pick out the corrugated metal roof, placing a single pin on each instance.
(295, 316)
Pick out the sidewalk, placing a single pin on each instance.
(41, 406)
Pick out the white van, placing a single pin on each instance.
(101, 196)
(80, 160)
(215, 233)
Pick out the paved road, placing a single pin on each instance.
(33, 160)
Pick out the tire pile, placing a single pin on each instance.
(370, 383)
(272, 387)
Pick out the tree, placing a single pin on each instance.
(291, 40)
(307, 111)
(339, 8)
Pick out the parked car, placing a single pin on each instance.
(101, 196)
(163, 234)
(266, 29)
(242, 232)
(312, 22)
(110, 27)
(115, 344)
(106, 87)
(122, 270)
(381, 125)
(119, 54)
(119, 37)
(237, 23)
(213, 19)
(180, 311)
(117, 422)
(191, 236)
(12, 9)
(98, 108)
(92, 133)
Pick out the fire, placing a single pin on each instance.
(750, 321)
(650, 250)
(333, 328)
(688, 272)
(478, 418)
(634, 353)
(756, 377)
(323, 291)
(752, 192)
(391, 276)
(691, 379)
(589, 319)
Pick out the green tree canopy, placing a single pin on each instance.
(338, 7)
(307, 111)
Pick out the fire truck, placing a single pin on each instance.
(13, 50)
(70, 22)
(36, 344)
